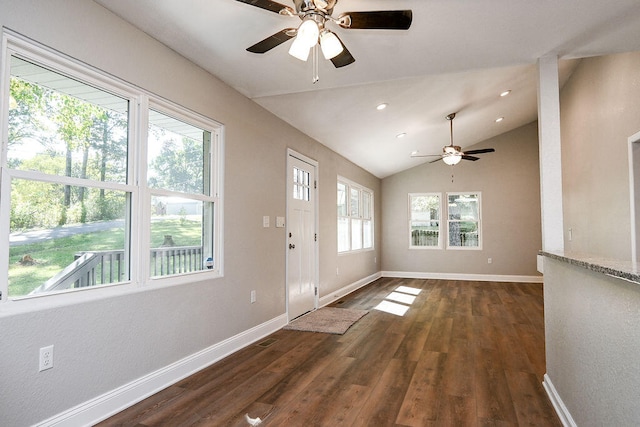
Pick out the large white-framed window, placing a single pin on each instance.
(425, 220)
(355, 217)
(464, 228)
(102, 183)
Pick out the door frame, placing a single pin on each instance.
(316, 252)
(634, 190)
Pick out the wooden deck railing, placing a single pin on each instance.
(105, 267)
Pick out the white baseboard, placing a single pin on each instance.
(462, 276)
(336, 295)
(110, 403)
(558, 404)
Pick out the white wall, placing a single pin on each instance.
(509, 181)
(105, 339)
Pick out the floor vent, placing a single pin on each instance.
(267, 342)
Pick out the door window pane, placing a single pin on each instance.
(301, 185)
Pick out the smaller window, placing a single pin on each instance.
(344, 241)
(355, 217)
(180, 171)
(424, 220)
(463, 222)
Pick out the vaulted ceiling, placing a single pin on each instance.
(458, 56)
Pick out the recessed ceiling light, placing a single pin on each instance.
(414, 152)
(505, 93)
(499, 119)
(382, 106)
(401, 135)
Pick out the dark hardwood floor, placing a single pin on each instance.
(464, 354)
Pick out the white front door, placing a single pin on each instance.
(301, 235)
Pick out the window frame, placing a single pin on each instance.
(357, 215)
(138, 214)
(478, 221)
(443, 229)
(410, 222)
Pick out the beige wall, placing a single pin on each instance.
(509, 181)
(592, 321)
(599, 112)
(105, 339)
(592, 344)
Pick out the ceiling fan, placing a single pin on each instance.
(452, 154)
(315, 14)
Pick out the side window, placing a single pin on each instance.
(182, 202)
(344, 240)
(67, 181)
(463, 222)
(424, 220)
(355, 217)
(86, 193)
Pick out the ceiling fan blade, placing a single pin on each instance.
(344, 58)
(472, 158)
(483, 150)
(377, 20)
(269, 5)
(272, 41)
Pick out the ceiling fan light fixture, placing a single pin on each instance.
(308, 32)
(330, 44)
(452, 159)
(299, 50)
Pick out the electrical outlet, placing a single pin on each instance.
(253, 297)
(489, 260)
(46, 358)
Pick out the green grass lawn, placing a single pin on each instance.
(54, 255)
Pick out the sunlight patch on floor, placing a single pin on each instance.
(398, 301)
(402, 298)
(408, 290)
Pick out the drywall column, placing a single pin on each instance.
(550, 155)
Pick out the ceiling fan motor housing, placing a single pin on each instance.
(304, 6)
(451, 149)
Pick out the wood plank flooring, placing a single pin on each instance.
(464, 354)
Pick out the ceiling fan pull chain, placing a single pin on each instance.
(316, 76)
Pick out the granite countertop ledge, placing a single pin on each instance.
(621, 269)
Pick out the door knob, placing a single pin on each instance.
(292, 246)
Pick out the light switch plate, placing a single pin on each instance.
(265, 221)
(280, 222)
